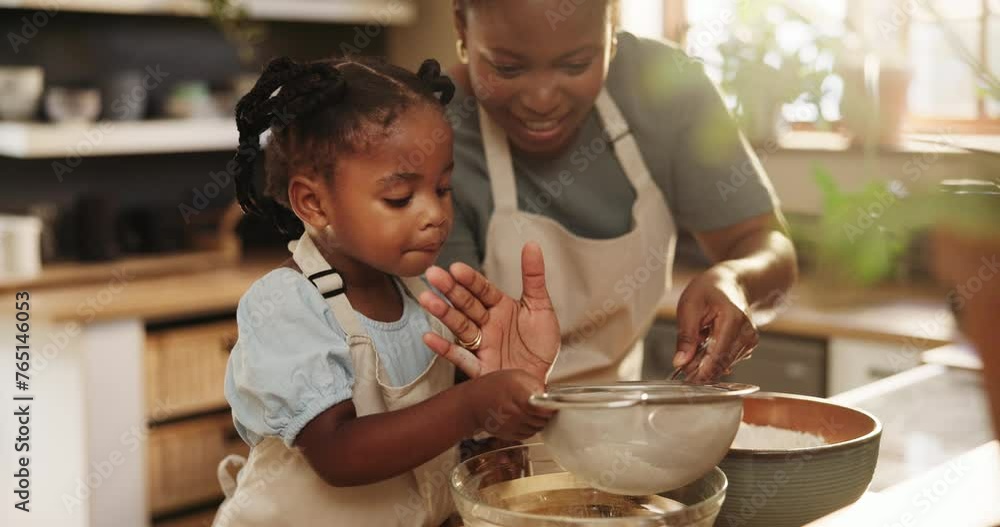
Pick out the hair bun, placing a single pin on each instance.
(430, 74)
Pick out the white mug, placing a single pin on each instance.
(20, 246)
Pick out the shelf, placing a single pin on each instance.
(388, 12)
(207, 254)
(44, 140)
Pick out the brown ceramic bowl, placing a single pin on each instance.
(792, 487)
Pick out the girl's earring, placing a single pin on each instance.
(329, 237)
(463, 54)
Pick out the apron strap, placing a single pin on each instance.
(624, 145)
(226, 479)
(614, 122)
(329, 283)
(363, 355)
(499, 164)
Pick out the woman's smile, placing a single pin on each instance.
(545, 134)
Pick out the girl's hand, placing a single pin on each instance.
(515, 334)
(713, 301)
(501, 408)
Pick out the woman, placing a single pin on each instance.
(598, 145)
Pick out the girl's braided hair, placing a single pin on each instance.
(321, 110)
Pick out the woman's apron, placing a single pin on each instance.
(605, 291)
(277, 487)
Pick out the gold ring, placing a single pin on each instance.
(471, 346)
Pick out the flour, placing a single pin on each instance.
(623, 471)
(754, 437)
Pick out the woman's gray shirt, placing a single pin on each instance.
(708, 174)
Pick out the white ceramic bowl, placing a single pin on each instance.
(642, 438)
(20, 90)
(73, 105)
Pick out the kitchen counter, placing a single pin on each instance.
(917, 435)
(962, 492)
(894, 314)
(939, 463)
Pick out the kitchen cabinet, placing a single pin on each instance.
(182, 461)
(186, 367)
(190, 426)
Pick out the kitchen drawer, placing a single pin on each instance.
(780, 363)
(198, 519)
(183, 457)
(186, 368)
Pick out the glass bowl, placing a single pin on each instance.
(523, 486)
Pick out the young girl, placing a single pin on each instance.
(352, 419)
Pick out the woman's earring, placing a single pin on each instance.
(463, 55)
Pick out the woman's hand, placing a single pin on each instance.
(515, 334)
(713, 306)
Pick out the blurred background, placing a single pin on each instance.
(117, 211)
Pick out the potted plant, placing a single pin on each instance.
(762, 76)
(233, 20)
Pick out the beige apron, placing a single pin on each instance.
(277, 487)
(606, 291)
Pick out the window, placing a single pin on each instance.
(942, 88)
(945, 87)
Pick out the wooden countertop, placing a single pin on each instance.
(898, 315)
(152, 298)
(890, 314)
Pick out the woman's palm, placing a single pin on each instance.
(520, 334)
